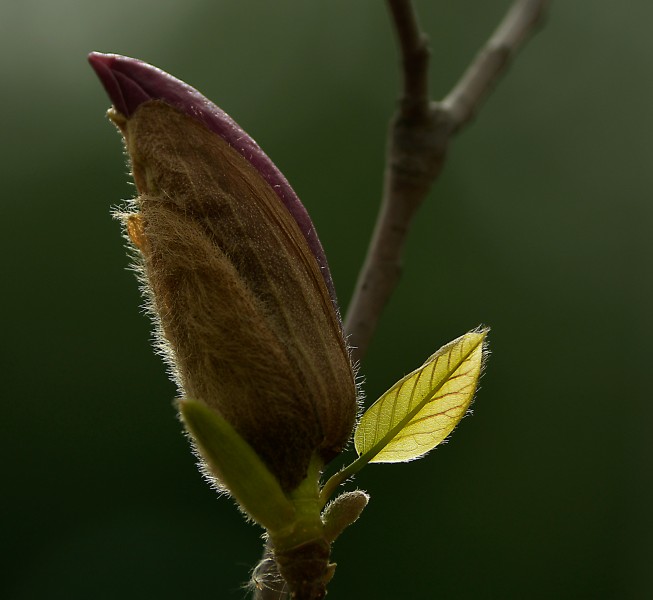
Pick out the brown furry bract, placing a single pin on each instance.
(243, 311)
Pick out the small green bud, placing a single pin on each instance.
(342, 512)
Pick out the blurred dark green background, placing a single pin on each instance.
(540, 227)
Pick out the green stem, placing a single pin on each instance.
(331, 485)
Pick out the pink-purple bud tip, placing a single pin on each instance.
(130, 82)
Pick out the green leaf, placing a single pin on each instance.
(238, 468)
(424, 407)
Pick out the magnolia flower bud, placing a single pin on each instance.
(234, 273)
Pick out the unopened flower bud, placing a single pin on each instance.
(234, 273)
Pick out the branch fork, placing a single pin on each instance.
(420, 133)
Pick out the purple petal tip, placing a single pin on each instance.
(130, 82)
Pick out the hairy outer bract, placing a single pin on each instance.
(243, 311)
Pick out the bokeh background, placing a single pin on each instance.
(539, 227)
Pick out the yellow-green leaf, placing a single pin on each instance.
(423, 408)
